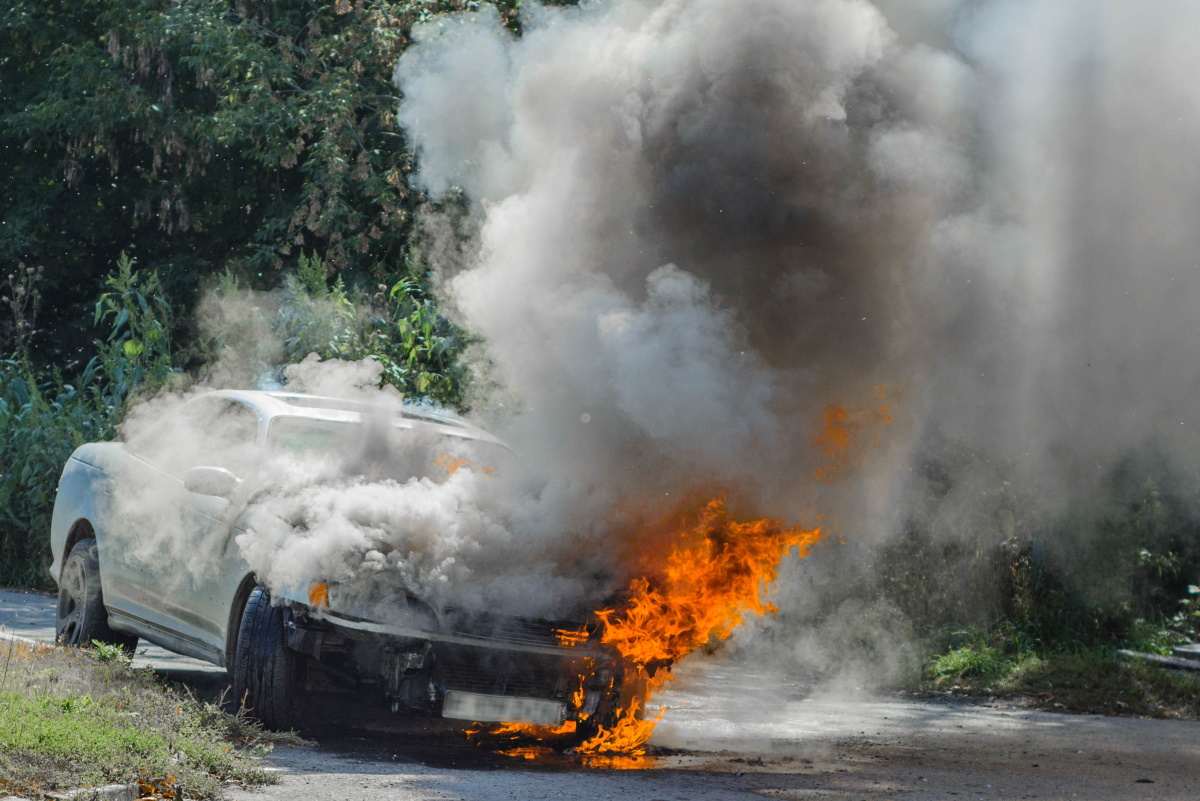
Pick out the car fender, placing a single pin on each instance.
(240, 579)
(83, 490)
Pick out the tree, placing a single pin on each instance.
(200, 136)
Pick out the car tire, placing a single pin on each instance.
(81, 617)
(267, 675)
(606, 717)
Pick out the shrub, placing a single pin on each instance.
(44, 418)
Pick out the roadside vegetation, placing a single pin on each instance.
(1010, 602)
(1093, 681)
(75, 718)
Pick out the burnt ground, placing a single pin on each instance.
(732, 731)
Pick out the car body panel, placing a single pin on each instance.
(83, 490)
(172, 571)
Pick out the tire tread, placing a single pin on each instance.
(264, 671)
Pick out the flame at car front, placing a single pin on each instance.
(710, 573)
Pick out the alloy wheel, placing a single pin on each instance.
(72, 594)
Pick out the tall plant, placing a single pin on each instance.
(398, 326)
(43, 417)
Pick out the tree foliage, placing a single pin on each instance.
(43, 418)
(201, 136)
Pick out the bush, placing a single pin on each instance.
(43, 419)
(398, 327)
(967, 661)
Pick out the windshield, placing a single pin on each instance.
(393, 449)
(301, 434)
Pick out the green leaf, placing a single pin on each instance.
(122, 318)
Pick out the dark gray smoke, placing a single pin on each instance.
(703, 222)
(702, 225)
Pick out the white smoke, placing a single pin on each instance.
(379, 506)
(658, 183)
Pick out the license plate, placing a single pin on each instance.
(502, 709)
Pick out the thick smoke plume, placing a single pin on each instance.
(704, 223)
(699, 225)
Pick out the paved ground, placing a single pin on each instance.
(735, 732)
(32, 615)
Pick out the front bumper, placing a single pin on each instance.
(470, 666)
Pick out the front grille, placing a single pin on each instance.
(490, 672)
(517, 630)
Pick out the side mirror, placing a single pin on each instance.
(211, 481)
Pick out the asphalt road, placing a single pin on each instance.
(736, 731)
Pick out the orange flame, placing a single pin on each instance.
(847, 435)
(318, 594)
(712, 573)
(715, 572)
(572, 637)
(449, 463)
(697, 585)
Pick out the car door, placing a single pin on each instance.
(172, 543)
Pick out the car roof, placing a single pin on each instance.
(271, 404)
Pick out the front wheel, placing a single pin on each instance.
(81, 617)
(607, 712)
(267, 675)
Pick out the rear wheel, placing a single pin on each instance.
(81, 616)
(267, 675)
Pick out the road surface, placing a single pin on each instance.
(733, 731)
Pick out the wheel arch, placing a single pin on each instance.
(80, 530)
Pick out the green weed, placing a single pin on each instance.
(1091, 682)
(106, 652)
(967, 661)
(44, 417)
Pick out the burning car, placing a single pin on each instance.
(179, 579)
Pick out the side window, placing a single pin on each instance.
(232, 438)
(214, 432)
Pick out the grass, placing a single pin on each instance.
(73, 718)
(1092, 681)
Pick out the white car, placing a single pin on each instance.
(180, 580)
